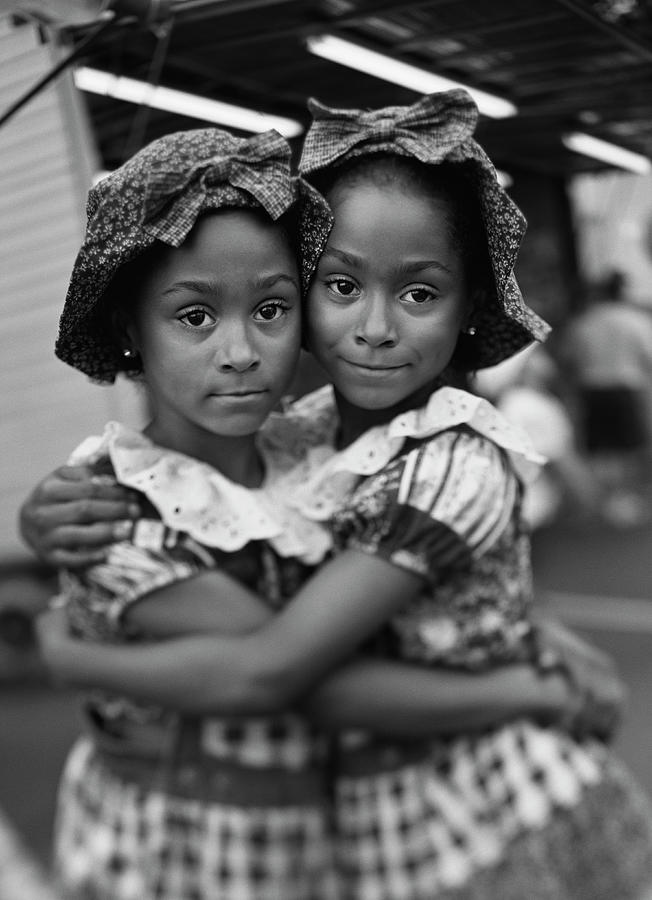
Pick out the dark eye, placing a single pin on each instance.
(269, 312)
(196, 318)
(342, 287)
(419, 295)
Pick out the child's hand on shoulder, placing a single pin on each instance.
(72, 515)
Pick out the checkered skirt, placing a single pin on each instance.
(116, 841)
(519, 812)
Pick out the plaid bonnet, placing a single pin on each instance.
(439, 128)
(157, 195)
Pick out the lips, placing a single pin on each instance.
(373, 367)
(242, 394)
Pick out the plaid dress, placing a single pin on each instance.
(517, 811)
(157, 806)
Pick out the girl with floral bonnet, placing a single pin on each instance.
(421, 483)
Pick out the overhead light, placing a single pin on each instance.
(356, 57)
(606, 152)
(132, 91)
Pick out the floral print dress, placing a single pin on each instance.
(517, 811)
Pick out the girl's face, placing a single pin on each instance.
(389, 297)
(218, 328)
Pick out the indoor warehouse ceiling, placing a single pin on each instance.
(565, 65)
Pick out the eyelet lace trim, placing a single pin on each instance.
(329, 476)
(195, 498)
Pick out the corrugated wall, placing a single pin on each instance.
(47, 160)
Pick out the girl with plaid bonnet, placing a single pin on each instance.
(187, 280)
(422, 483)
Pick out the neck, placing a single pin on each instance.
(237, 458)
(354, 420)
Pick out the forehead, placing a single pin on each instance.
(391, 216)
(229, 240)
(234, 248)
(225, 231)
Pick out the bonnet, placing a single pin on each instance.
(436, 129)
(157, 195)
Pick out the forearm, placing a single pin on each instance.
(195, 674)
(263, 671)
(209, 602)
(401, 700)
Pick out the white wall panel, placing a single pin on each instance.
(47, 160)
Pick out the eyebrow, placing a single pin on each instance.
(198, 287)
(268, 281)
(402, 270)
(263, 282)
(349, 259)
(419, 265)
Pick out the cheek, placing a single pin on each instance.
(326, 324)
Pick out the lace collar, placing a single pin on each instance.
(193, 497)
(331, 475)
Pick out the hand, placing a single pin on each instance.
(72, 515)
(596, 694)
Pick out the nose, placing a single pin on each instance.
(236, 351)
(375, 325)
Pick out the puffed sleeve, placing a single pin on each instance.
(155, 556)
(441, 504)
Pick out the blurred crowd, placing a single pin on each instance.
(585, 399)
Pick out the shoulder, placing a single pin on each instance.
(453, 467)
(489, 433)
(95, 450)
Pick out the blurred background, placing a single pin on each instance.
(564, 91)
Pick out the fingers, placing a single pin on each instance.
(78, 483)
(72, 546)
(71, 514)
(46, 517)
(601, 697)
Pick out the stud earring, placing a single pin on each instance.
(128, 354)
(470, 330)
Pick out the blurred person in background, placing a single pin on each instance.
(522, 388)
(607, 353)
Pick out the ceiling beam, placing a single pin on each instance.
(491, 26)
(620, 34)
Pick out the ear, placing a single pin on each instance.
(477, 300)
(124, 330)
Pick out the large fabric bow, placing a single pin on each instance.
(174, 198)
(428, 130)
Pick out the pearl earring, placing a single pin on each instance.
(470, 330)
(128, 354)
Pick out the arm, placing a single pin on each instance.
(71, 516)
(399, 700)
(391, 698)
(261, 671)
(388, 698)
(208, 602)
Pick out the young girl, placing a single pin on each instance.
(187, 278)
(416, 286)
(187, 274)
